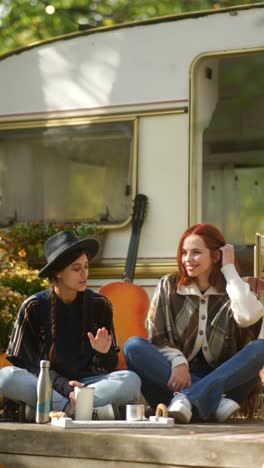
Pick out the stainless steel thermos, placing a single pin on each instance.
(44, 393)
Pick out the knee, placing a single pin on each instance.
(6, 378)
(256, 349)
(134, 383)
(132, 344)
(130, 378)
(257, 346)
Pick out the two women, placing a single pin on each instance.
(72, 327)
(203, 356)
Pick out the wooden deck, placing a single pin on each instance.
(238, 444)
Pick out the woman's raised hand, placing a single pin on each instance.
(228, 254)
(102, 341)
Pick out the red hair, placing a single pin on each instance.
(213, 240)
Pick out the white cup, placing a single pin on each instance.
(135, 412)
(84, 397)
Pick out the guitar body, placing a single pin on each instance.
(130, 306)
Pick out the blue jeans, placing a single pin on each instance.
(235, 378)
(119, 387)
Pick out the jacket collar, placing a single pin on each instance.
(193, 289)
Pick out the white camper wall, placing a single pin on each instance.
(162, 176)
(119, 67)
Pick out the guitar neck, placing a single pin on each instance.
(131, 257)
(137, 221)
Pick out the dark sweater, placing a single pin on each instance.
(31, 338)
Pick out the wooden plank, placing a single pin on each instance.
(17, 461)
(213, 446)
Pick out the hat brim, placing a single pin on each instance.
(89, 245)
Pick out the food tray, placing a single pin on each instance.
(69, 423)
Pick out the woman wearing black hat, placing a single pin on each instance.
(72, 327)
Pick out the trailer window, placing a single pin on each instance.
(228, 148)
(71, 173)
(233, 150)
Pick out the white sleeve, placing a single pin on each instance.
(246, 307)
(175, 356)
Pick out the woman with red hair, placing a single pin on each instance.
(203, 355)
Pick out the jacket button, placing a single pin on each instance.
(205, 348)
(201, 332)
(202, 317)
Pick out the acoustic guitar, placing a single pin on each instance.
(130, 302)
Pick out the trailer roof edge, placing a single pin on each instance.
(150, 21)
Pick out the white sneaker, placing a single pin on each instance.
(105, 413)
(225, 409)
(180, 408)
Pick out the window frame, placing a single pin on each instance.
(84, 120)
(195, 162)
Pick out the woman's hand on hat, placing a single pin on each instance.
(102, 341)
(228, 254)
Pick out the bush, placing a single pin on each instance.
(10, 302)
(23, 280)
(25, 240)
(17, 283)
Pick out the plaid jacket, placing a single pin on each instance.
(173, 322)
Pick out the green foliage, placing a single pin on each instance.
(17, 282)
(10, 302)
(25, 240)
(23, 22)
(21, 279)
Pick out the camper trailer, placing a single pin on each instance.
(171, 108)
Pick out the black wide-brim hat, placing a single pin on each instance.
(62, 243)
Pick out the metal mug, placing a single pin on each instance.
(135, 412)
